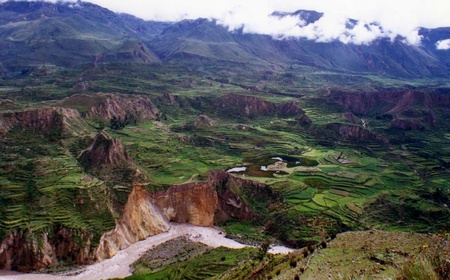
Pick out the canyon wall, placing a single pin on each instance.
(148, 214)
(408, 110)
(193, 203)
(46, 120)
(140, 220)
(25, 251)
(104, 151)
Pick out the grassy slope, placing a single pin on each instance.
(354, 255)
(42, 186)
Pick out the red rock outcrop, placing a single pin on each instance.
(105, 151)
(193, 203)
(121, 106)
(359, 133)
(168, 98)
(45, 120)
(250, 106)
(290, 108)
(16, 253)
(108, 105)
(304, 120)
(26, 252)
(147, 214)
(141, 219)
(82, 86)
(231, 192)
(245, 105)
(401, 105)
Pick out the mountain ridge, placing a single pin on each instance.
(71, 34)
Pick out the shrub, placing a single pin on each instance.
(420, 268)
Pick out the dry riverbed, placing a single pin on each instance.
(119, 265)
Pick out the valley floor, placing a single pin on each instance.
(119, 265)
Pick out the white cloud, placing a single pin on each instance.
(443, 45)
(380, 18)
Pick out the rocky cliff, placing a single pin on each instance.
(105, 152)
(147, 214)
(250, 106)
(112, 105)
(288, 109)
(222, 197)
(234, 105)
(121, 106)
(359, 133)
(233, 193)
(46, 120)
(63, 118)
(407, 109)
(25, 251)
(193, 203)
(141, 219)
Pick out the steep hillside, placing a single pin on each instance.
(40, 33)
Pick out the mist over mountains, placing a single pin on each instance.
(68, 34)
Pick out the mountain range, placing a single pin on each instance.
(39, 33)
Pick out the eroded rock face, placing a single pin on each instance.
(108, 106)
(245, 105)
(118, 106)
(18, 254)
(249, 106)
(231, 201)
(408, 109)
(141, 219)
(105, 151)
(360, 133)
(290, 108)
(408, 124)
(26, 252)
(45, 120)
(193, 203)
(147, 214)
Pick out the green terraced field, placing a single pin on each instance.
(340, 186)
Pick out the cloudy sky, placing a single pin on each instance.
(377, 18)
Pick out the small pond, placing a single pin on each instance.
(257, 167)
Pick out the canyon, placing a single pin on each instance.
(118, 134)
(143, 213)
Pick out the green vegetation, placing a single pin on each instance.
(361, 146)
(184, 259)
(328, 185)
(43, 188)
